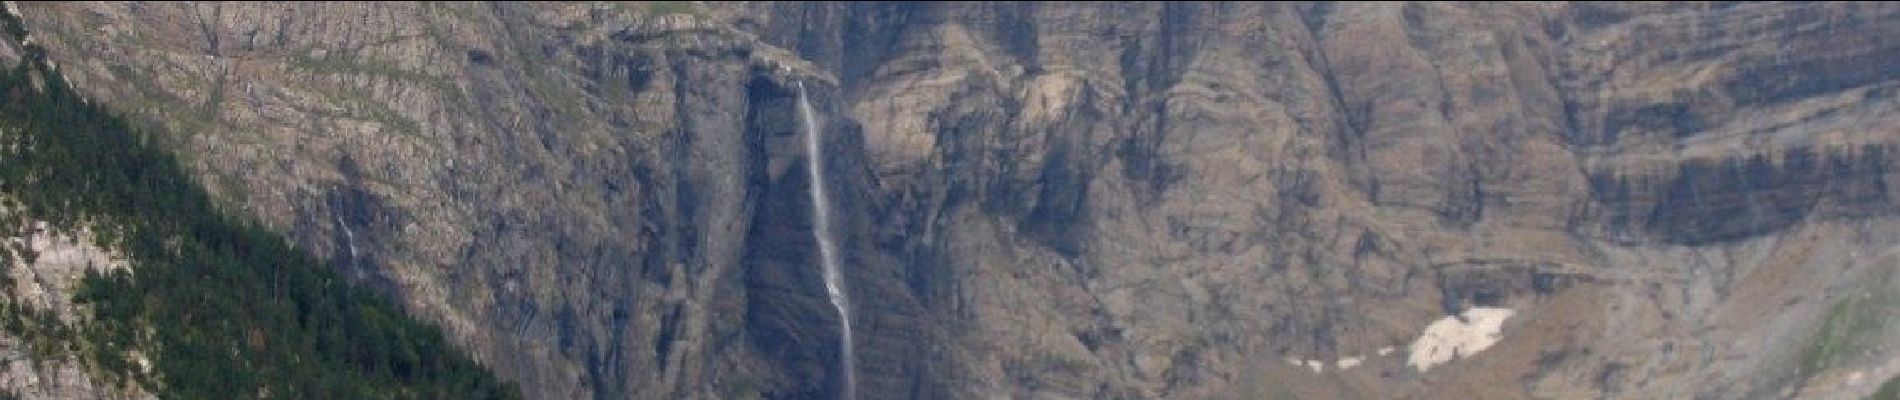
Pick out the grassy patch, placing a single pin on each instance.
(739, 388)
(359, 105)
(671, 7)
(1850, 324)
(1888, 391)
(345, 65)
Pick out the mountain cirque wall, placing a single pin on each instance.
(1120, 200)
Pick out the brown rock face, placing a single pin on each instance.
(38, 365)
(1067, 200)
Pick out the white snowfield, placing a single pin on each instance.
(1450, 338)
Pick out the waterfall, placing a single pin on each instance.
(827, 251)
(348, 238)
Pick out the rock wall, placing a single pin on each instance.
(1075, 200)
(43, 271)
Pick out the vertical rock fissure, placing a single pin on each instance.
(827, 251)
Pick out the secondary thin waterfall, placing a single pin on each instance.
(348, 238)
(827, 251)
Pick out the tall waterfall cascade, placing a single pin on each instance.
(827, 250)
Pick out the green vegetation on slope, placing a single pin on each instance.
(671, 7)
(223, 307)
(1850, 324)
(1888, 391)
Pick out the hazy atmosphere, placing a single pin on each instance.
(955, 200)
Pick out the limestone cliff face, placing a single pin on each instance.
(1097, 200)
(43, 269)
(563, 187)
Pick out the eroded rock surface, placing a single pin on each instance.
(44, 267)
(1068, 200)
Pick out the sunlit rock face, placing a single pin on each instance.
(44, 267)
(1063, 200)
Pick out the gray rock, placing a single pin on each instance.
(1058, 200)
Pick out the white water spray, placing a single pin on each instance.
(827, 252)
(348, 238)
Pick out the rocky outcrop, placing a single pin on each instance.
(43, 272)
(592, 160)
(1707, 201)
(33, 376)
(1107, 200)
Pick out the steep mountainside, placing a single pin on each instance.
(1068, 200)
(123, 280)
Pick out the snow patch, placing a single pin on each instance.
(1455, 337)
